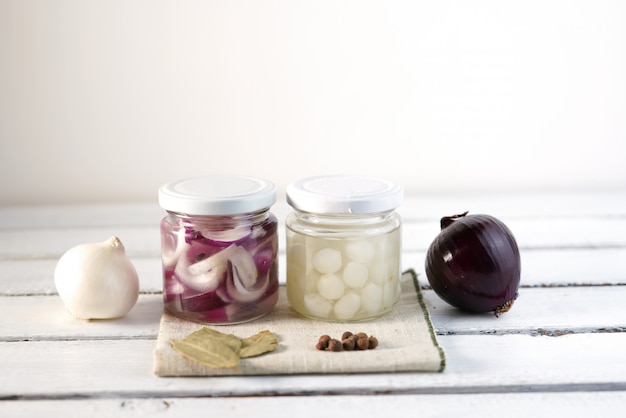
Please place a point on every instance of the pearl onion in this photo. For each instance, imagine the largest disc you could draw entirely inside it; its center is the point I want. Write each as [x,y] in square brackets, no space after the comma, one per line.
[378,272]
[390,292]
[372,298]
[297,255]
[355,275]
[330,286]
[360,251]
[327,260]
[294,273]
[317,305]
[347,306]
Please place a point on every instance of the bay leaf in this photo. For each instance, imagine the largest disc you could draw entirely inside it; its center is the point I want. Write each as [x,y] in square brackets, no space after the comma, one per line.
[232,341]
[211,348]
[261,343]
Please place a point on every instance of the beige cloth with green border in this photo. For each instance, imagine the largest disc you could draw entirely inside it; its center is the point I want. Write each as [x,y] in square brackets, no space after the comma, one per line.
[407,342]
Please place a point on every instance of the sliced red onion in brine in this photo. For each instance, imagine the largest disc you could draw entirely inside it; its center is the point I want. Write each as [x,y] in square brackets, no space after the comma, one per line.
[226,237]
[201,280]
[173,246]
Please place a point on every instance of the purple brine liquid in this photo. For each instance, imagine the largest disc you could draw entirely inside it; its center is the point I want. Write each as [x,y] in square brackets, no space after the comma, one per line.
[220,269]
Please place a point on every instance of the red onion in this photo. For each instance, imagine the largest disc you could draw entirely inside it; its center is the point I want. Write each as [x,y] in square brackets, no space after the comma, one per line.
[474,264]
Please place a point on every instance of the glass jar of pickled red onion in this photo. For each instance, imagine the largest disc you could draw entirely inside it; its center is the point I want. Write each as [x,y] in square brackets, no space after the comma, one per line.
[219,246]
[343,247]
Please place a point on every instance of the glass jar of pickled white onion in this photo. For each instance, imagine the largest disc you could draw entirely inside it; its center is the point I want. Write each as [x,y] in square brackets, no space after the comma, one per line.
[219,246]
[343,247]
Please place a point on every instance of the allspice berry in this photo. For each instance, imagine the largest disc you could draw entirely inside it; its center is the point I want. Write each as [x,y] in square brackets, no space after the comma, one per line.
[373,342]
[334,345]
[362,343]
[348,343]
[322,344]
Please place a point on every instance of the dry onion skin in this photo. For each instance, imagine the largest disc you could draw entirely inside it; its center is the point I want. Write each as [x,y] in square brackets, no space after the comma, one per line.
[97,280]
[474,264]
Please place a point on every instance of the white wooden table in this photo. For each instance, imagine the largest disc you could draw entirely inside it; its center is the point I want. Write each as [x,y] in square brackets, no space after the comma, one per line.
[560,351]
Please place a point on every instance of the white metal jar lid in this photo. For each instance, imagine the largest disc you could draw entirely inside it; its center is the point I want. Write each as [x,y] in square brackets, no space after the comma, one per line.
[344,194]
[217,195]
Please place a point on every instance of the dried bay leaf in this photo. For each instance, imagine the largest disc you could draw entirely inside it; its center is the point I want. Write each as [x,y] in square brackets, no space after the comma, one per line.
[210,348]
[216,349]
[261,343]
[229,340]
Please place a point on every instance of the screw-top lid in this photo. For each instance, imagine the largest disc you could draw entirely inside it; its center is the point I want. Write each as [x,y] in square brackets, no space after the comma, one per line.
[217,195]
[344,194]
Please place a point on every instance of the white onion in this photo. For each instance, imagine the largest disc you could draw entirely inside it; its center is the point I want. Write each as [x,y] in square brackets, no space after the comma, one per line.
[97,280]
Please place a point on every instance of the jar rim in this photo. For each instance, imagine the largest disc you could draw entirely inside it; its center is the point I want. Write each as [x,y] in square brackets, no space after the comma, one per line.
[217,195]
[344,194]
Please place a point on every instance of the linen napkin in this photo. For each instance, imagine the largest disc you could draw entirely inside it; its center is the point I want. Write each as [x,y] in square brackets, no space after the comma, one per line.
[407,342]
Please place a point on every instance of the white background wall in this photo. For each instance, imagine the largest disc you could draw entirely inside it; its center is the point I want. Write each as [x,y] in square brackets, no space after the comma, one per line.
[106,100]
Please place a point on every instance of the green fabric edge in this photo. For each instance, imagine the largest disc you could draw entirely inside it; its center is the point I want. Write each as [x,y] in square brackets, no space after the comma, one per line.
[431,329]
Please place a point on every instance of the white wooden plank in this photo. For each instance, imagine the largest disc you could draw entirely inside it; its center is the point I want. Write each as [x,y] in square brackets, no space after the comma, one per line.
[539,268]
[537,311]
[575,266]
[551,311]
[571,405]
[536,233]
[36,277]
[44,243]
[475,364]
[44,317]
[144,241]
[40,232]
[429,207]
[555,267]
[87,215]
[517,205]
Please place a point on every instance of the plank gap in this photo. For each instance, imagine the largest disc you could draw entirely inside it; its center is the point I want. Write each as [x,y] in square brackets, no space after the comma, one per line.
[456,390]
